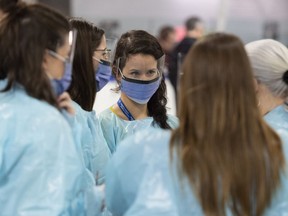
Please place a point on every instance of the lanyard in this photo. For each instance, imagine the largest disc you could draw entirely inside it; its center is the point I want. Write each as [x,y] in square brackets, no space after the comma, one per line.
[125,110]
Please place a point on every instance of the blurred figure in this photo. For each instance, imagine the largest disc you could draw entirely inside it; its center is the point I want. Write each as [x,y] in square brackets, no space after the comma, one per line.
[41,171]
[89,64]
[167,40]
[223,159]
[138,68]
[194,30]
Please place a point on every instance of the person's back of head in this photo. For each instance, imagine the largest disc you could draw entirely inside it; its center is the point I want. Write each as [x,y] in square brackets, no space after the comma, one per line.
[25,36]
[194,27]
[7,5]
[269,60]
[88,39]
[167,38]
[224,140]
[141,42]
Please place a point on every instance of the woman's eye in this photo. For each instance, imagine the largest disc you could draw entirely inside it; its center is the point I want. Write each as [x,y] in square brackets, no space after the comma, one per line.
[152,72]
[135,73]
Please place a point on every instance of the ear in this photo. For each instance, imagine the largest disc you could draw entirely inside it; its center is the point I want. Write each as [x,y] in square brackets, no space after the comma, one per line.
[45,61]
[117,74]
[256,85]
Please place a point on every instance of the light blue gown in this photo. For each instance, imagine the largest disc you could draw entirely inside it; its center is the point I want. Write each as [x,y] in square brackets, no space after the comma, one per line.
[116,129]
[142,180]
[41,172]
[88,133]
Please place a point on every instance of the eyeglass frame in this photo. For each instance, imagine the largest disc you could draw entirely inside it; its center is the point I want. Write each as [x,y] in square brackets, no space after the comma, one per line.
[106,52]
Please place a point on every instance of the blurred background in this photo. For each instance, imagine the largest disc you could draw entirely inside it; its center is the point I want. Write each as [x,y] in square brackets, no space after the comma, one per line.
[249,19]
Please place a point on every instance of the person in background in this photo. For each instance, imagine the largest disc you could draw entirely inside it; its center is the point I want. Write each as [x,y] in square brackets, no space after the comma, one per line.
[41,171]
[223,159]
[269,59]
[90,62]
[194,31]
[167,40]
[137,66]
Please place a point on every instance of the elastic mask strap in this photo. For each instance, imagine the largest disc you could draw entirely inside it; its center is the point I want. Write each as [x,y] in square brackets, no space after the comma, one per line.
[99,60]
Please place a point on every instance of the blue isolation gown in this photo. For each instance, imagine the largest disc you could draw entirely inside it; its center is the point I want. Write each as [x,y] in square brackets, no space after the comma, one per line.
[41,171]
[94,147]
[116,129]
[142,180]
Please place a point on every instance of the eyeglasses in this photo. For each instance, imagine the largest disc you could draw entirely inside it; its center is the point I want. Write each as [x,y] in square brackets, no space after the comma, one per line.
[106,53]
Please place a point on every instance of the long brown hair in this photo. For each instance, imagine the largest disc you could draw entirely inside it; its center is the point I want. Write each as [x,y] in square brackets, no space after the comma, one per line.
[25,35]
[230,156]
[83,87]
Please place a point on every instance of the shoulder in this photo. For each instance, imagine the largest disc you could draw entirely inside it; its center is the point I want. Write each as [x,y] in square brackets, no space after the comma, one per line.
[173,121]
[277,118]
[105,115]
[148,140]
[25,110]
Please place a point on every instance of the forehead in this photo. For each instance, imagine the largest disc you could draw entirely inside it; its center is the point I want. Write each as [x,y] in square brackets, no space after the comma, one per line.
[140,61]
[102,44]
[65,48]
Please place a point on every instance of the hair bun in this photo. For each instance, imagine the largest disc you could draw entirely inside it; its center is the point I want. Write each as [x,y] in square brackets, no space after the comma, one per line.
[285,77]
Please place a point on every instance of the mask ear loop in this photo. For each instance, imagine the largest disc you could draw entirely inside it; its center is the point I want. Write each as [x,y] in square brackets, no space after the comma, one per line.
[117,70]
[99,60]
[161,67]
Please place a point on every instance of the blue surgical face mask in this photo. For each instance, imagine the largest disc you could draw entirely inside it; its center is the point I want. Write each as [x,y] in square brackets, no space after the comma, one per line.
[103,73]
[140,91]
[61,85]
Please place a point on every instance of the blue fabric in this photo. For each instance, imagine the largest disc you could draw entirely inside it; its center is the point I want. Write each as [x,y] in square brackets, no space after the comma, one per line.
[278,120]
[124,109]
[116,129]
[141,180]
[89,136]
[139,91]
[103,74]
[61,85]
[41,172]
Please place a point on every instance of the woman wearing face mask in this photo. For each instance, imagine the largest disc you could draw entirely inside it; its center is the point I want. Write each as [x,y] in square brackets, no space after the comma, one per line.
[90,71]
[223,159]
[137,66]
[41,171]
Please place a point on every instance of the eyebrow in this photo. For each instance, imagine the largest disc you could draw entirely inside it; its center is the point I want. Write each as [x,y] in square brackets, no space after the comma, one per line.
[105,49]
[134,69]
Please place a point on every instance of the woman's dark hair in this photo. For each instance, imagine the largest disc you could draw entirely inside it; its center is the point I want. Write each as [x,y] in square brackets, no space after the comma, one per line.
[8,5]
[230,156]
[25,35]
[83,87]
[141,42]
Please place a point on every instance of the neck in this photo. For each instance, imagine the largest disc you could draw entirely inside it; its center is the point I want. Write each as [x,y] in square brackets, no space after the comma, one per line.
[268,102]
[138,111]
[192,34]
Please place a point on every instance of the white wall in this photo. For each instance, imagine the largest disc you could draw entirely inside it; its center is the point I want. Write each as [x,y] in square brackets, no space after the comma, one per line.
[244,17]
